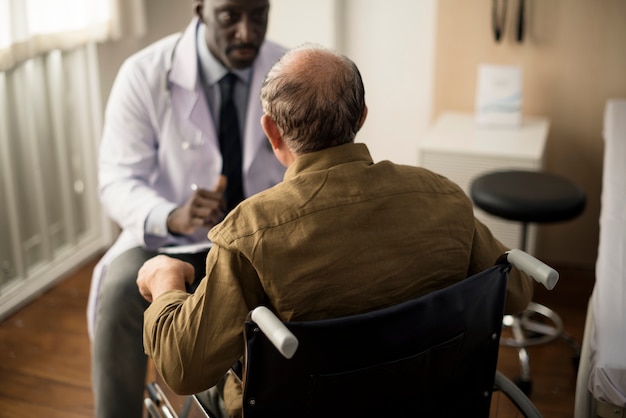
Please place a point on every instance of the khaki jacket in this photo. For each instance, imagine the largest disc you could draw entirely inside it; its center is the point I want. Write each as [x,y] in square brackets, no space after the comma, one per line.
[339,236]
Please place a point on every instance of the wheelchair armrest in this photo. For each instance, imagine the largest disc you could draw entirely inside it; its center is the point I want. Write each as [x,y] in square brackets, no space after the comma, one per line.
[275,330]
[536,269]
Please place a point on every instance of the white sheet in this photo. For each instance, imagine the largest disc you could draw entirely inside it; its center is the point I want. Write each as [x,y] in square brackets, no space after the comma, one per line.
[607,339]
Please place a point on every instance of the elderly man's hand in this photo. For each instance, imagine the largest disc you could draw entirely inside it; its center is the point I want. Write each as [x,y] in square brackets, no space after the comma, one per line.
[162,274]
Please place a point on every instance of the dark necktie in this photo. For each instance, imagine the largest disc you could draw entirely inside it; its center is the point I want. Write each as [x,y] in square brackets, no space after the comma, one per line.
[230,143]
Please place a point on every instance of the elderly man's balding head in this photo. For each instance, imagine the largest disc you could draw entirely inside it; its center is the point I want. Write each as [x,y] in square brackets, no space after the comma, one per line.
[315,97]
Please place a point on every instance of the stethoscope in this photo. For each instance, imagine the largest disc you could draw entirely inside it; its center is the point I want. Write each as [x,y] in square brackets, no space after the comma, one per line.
[198,139]
[499,17]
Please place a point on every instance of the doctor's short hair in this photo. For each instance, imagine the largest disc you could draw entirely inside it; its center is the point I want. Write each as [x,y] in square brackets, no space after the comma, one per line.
[316,98]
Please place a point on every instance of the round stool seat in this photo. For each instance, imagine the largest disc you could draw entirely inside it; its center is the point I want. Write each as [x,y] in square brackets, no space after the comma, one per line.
[528,196]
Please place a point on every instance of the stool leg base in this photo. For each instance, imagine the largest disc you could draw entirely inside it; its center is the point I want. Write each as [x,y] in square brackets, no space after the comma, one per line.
[538,324]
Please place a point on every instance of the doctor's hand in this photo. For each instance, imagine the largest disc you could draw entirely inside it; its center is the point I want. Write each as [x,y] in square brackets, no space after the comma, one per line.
[203,208]
[161,274]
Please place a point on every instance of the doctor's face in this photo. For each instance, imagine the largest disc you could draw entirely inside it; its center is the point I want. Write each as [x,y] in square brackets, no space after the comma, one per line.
[235,29]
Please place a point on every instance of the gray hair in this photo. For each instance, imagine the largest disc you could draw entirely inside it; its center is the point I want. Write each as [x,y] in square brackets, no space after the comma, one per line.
[316,103]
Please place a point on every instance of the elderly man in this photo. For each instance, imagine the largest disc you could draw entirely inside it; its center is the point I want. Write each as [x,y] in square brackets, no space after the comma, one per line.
[340,235]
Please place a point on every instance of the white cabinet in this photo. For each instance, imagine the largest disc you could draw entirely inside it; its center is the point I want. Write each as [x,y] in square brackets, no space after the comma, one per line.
[456,147]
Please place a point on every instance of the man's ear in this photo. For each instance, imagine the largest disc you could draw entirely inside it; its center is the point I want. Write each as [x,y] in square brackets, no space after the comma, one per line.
[198,8]
[271,131]
[363,117]
[281,151]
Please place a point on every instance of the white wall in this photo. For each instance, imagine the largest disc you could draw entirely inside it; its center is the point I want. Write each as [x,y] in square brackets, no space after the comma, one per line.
[393,45]
[293,22]
[392,42]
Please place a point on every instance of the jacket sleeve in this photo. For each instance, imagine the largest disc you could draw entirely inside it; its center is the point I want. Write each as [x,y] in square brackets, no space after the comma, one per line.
[195,339]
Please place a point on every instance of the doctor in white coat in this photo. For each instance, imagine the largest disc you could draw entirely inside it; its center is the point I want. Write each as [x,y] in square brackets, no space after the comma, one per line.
[159,172]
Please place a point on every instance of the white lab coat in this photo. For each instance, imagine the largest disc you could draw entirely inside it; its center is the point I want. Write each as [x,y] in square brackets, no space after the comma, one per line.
[159,139]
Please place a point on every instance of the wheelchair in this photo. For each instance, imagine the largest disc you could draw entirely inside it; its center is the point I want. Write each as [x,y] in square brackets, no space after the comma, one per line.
[434,356]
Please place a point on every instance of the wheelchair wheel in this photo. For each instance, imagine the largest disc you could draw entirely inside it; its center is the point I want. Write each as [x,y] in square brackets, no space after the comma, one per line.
[508,400]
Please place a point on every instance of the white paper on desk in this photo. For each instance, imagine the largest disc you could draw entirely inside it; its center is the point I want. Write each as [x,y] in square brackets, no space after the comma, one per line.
[499,95]
[187,249]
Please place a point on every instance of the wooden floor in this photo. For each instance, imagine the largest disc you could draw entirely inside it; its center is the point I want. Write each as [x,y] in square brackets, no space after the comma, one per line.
[45,360]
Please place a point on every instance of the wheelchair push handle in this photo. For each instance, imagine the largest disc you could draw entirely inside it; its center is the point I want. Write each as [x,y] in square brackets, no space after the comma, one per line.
[536,269]
[275,331]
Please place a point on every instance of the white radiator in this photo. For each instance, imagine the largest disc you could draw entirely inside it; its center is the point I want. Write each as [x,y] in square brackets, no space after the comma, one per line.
[50,217]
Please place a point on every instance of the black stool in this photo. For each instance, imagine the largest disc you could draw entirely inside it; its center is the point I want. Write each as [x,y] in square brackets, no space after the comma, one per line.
[530,197]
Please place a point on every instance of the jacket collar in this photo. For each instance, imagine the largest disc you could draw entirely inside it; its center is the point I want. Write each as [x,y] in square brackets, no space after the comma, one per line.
[328,158]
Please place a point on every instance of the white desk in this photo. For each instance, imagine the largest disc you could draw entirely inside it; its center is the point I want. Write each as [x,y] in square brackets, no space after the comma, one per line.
[460,150]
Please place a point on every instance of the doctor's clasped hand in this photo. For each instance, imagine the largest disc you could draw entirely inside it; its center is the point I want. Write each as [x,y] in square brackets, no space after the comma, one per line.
[204,208]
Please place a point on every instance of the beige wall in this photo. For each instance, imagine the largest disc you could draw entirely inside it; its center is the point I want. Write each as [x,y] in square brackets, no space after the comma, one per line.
[573,60]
